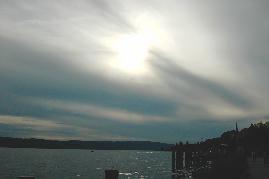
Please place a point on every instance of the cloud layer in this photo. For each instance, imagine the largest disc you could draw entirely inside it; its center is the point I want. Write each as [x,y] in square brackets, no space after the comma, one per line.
[206,68]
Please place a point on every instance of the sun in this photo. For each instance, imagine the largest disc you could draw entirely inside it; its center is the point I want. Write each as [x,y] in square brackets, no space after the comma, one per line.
[132,51]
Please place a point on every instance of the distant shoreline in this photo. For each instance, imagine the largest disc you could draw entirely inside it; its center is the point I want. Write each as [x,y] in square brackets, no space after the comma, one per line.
[10,142]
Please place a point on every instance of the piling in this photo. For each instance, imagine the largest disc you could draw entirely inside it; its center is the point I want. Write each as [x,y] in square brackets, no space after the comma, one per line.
[111,174]
[179,160]
[173,161]
[184,160]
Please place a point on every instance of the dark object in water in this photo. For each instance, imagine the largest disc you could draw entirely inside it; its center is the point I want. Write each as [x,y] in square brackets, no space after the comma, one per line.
[111,174]
[26,177]
[92,150]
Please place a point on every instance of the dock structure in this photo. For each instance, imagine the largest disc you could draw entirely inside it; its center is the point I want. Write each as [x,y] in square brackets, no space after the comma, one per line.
[178,160]
[186,159]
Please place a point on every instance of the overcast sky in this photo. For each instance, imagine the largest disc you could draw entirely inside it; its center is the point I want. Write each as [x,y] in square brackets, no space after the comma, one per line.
[132,69]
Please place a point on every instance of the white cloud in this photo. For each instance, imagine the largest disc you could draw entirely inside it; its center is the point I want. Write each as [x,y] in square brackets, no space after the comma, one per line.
[53,129]
[31,122]
[91,110]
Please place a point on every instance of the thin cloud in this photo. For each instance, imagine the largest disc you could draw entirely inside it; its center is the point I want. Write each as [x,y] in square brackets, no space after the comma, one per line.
[30,122]
[91,110]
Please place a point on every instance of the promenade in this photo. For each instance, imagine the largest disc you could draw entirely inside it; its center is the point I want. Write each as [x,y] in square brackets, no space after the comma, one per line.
[257,169]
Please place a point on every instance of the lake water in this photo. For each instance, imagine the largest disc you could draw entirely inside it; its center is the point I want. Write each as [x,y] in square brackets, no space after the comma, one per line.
[78,164]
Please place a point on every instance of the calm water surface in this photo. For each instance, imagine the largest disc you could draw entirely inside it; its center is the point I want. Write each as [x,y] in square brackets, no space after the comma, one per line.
[69,163]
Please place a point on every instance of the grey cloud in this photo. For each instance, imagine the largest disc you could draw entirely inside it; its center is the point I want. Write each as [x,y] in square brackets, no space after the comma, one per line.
[29,72]
[171,72]
[241,28]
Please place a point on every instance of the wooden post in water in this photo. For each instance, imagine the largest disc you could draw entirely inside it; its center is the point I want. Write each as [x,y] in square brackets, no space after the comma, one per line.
[178,160]
[173,161]
[188,159]
[184,160]
[111,174]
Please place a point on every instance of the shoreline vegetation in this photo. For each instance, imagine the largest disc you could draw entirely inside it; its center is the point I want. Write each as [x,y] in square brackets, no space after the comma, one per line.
[10,142]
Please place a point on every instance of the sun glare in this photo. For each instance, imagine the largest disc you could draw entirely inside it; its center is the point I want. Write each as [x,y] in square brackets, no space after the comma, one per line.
[132,51]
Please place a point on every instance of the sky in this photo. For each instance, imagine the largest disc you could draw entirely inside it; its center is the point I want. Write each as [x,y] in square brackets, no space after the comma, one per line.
[156,70]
